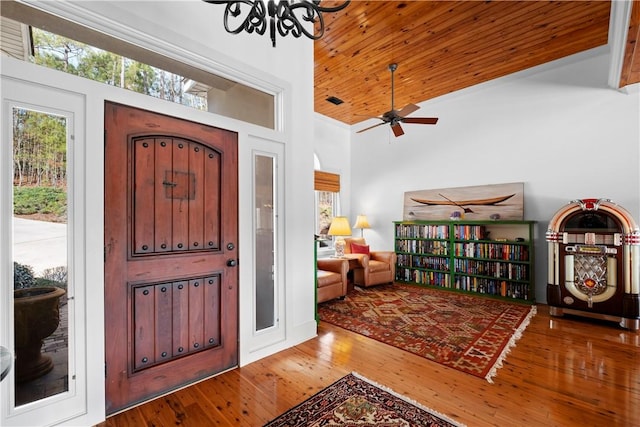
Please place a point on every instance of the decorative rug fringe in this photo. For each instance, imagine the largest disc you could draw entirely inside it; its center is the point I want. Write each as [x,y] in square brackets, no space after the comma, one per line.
[410,401]
[512,343]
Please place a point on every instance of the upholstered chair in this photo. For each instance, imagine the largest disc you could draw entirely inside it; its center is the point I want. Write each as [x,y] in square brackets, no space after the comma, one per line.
[376,267]
[331,279]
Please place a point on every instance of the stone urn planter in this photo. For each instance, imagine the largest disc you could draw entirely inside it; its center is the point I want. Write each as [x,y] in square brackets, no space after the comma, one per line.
[37,315]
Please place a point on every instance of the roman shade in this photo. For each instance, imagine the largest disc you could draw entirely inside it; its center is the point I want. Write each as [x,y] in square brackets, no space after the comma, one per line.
[327,181]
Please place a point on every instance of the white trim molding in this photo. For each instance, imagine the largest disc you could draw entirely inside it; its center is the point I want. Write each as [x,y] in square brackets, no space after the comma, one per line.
[618,32]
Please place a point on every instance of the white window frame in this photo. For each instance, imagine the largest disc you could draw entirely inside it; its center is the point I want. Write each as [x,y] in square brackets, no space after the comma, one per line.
[72,403]
[327,250]
[257,342]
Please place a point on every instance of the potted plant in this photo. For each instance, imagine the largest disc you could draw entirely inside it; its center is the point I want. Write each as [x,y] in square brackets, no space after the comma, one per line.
[36,316]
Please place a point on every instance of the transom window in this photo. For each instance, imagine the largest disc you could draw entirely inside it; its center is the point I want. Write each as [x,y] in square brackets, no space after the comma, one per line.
[138,70]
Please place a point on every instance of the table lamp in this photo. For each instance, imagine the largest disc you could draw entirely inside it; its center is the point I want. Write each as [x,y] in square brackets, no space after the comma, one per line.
[339,227]
[361,223]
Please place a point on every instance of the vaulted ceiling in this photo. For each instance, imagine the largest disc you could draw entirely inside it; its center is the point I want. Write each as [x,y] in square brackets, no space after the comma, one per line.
[439,46]
[444,46]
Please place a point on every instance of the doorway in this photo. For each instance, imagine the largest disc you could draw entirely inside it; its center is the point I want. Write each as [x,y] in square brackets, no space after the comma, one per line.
[171,230]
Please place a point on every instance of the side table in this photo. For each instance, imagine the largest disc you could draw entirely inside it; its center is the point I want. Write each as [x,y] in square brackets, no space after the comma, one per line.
[354,262]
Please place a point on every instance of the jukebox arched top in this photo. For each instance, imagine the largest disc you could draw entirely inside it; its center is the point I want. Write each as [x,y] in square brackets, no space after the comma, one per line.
[591,215]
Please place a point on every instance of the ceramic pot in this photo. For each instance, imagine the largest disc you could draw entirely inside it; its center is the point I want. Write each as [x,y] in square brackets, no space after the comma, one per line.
[37,315]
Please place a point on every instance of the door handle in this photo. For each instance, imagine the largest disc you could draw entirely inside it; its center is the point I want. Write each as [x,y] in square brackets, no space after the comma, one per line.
[232,262]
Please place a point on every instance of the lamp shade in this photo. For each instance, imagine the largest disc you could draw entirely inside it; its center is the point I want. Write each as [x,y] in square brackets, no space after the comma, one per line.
[339,226]
[361,222]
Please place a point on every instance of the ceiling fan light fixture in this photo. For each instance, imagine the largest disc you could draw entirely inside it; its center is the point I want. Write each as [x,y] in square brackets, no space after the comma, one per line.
[285,16]
[395,117]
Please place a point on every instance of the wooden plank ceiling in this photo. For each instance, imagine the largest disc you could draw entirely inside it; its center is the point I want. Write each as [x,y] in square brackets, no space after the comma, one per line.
[443,46]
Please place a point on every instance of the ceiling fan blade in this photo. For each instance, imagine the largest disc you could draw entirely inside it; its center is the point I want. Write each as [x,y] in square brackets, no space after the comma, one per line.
[397,130]
[408,109]
[370,127]
[421,120]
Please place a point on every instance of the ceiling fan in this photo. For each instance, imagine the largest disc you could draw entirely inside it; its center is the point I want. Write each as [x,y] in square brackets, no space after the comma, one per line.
[395,117]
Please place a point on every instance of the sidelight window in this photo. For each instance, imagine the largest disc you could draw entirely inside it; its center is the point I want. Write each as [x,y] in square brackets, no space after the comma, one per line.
[42,252]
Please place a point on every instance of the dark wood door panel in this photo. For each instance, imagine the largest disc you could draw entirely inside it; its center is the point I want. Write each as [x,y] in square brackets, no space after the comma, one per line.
[162,215]
[180,318]
[170,227]
[194,311]
[176,196]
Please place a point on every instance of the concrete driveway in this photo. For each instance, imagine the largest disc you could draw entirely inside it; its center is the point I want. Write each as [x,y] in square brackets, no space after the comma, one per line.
[39,244]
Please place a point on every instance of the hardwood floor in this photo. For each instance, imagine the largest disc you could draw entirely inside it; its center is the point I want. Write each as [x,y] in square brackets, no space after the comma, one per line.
[566,371]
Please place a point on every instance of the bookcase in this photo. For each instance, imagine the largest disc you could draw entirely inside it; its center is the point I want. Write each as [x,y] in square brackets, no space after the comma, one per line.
[487,257]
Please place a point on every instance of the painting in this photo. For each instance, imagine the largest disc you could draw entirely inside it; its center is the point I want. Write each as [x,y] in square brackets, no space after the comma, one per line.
[481,203]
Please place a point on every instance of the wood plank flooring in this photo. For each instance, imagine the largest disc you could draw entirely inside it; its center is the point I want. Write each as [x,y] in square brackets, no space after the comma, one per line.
[567,371]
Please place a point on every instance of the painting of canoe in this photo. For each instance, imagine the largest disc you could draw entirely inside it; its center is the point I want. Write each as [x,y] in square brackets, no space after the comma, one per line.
[489,201]
[480,202]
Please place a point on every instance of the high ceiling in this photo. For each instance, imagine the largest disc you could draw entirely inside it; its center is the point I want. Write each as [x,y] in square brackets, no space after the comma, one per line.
[439,46]
[443,46]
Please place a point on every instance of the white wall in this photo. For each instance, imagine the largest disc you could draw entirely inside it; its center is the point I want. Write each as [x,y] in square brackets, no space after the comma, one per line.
[558,129]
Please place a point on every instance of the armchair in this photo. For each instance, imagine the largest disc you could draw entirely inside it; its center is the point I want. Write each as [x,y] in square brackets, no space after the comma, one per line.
[331,278]
[376,267]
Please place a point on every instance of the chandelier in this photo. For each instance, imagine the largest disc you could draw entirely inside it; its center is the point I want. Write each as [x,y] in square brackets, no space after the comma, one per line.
[284,15]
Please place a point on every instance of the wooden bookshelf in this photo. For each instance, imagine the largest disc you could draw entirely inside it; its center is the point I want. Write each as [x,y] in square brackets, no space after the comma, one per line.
[487,257]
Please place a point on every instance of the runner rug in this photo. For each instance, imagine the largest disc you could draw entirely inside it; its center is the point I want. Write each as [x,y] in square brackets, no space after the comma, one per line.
[472,334]
[356,401]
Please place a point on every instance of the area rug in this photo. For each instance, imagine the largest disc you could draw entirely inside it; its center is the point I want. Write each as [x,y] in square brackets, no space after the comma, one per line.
[356,401]
[472,334]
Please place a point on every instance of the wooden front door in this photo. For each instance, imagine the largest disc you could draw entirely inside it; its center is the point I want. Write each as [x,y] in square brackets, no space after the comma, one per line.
[171,285]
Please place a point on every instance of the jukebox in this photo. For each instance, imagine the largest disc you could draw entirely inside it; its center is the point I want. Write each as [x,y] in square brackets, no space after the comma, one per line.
[594,262]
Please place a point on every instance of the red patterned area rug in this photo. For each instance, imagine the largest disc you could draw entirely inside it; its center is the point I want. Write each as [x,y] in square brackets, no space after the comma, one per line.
[472,334]
[356,401]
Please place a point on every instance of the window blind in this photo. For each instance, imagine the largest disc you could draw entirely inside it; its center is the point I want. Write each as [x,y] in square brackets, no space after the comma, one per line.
[327,181]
